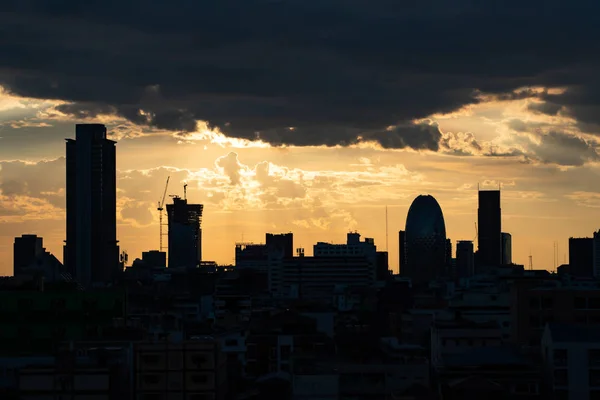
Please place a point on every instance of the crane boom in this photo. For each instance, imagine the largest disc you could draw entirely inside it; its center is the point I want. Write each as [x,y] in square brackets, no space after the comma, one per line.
[160,214]
[162,203]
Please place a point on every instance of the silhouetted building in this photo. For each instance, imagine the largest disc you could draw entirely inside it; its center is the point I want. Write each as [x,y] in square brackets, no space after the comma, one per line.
[401,251]
[581,257]
[426,246]
[353,247]
[596,254]
[489,217]
[465,260]
[185,233]
[282,243]
[154,259]
[91,253]
[27,249]
[382,272]
[506,248]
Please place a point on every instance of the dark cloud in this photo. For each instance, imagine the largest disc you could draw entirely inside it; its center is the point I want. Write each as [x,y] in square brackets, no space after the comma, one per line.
[552,147]
[334,70]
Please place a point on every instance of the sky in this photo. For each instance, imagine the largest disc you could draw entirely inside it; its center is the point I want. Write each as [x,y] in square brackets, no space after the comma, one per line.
[307,116]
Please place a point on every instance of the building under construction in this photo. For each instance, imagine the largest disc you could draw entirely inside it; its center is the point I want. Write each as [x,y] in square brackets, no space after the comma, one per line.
[185,233]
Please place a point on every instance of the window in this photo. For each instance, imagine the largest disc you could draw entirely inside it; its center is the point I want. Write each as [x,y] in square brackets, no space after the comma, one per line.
[285,352]
[200,378]
[547,303]
[151,379]
[150,359]
[198,360]
[594,375]
[561,377]
[534,302]
[59,304]
[580,303]
[560,357]
[25,304]
[594,358]
[594,303]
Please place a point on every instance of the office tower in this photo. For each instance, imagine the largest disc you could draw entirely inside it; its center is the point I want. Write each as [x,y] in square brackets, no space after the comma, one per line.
[465,260]
[26,250]
[401,252]
[185,233]
[581,257]
[425,245]
[91,253]
[596,254]
[506,248]
[489,216]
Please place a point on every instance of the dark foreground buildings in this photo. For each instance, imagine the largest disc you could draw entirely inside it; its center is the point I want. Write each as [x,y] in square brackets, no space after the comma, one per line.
[91,253]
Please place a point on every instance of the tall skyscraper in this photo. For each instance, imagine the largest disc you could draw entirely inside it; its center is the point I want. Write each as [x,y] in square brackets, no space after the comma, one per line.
[425,241]
[489,217]
[506,248]
[27,249]
[185,233]
[581,257]
[91,253]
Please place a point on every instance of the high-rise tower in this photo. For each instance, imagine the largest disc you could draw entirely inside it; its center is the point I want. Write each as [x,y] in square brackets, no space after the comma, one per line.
[489,217]
[425,241]
[91,252]
[185,233]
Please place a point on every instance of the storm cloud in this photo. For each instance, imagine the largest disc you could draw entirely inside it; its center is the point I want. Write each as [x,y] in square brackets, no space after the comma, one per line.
[302,72]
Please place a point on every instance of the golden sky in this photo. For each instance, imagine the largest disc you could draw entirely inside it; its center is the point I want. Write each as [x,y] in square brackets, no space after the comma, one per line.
[548,170]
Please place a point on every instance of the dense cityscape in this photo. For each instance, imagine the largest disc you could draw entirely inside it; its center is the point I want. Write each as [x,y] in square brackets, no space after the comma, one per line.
[457,321]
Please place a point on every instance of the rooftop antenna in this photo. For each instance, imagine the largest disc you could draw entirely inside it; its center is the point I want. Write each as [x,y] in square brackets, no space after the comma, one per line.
[386,228]
[185,191]
[530,260]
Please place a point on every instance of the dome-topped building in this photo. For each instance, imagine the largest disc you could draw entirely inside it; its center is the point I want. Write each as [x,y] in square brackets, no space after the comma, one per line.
[424,240]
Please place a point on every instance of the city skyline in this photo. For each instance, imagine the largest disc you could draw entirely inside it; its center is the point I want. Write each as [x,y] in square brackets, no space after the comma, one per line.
[366,106]
[370,227]
[332,237]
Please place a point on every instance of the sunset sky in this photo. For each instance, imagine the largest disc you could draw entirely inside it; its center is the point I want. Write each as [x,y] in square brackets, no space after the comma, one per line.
[307,116]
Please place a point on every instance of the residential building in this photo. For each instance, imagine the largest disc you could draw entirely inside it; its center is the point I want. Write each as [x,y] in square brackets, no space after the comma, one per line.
[188,369]
[571,355]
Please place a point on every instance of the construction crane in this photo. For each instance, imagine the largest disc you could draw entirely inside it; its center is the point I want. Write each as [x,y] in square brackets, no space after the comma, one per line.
[160,209]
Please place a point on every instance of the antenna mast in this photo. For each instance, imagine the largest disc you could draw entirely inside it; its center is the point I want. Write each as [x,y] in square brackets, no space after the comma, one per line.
[160,209]
[530,260]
